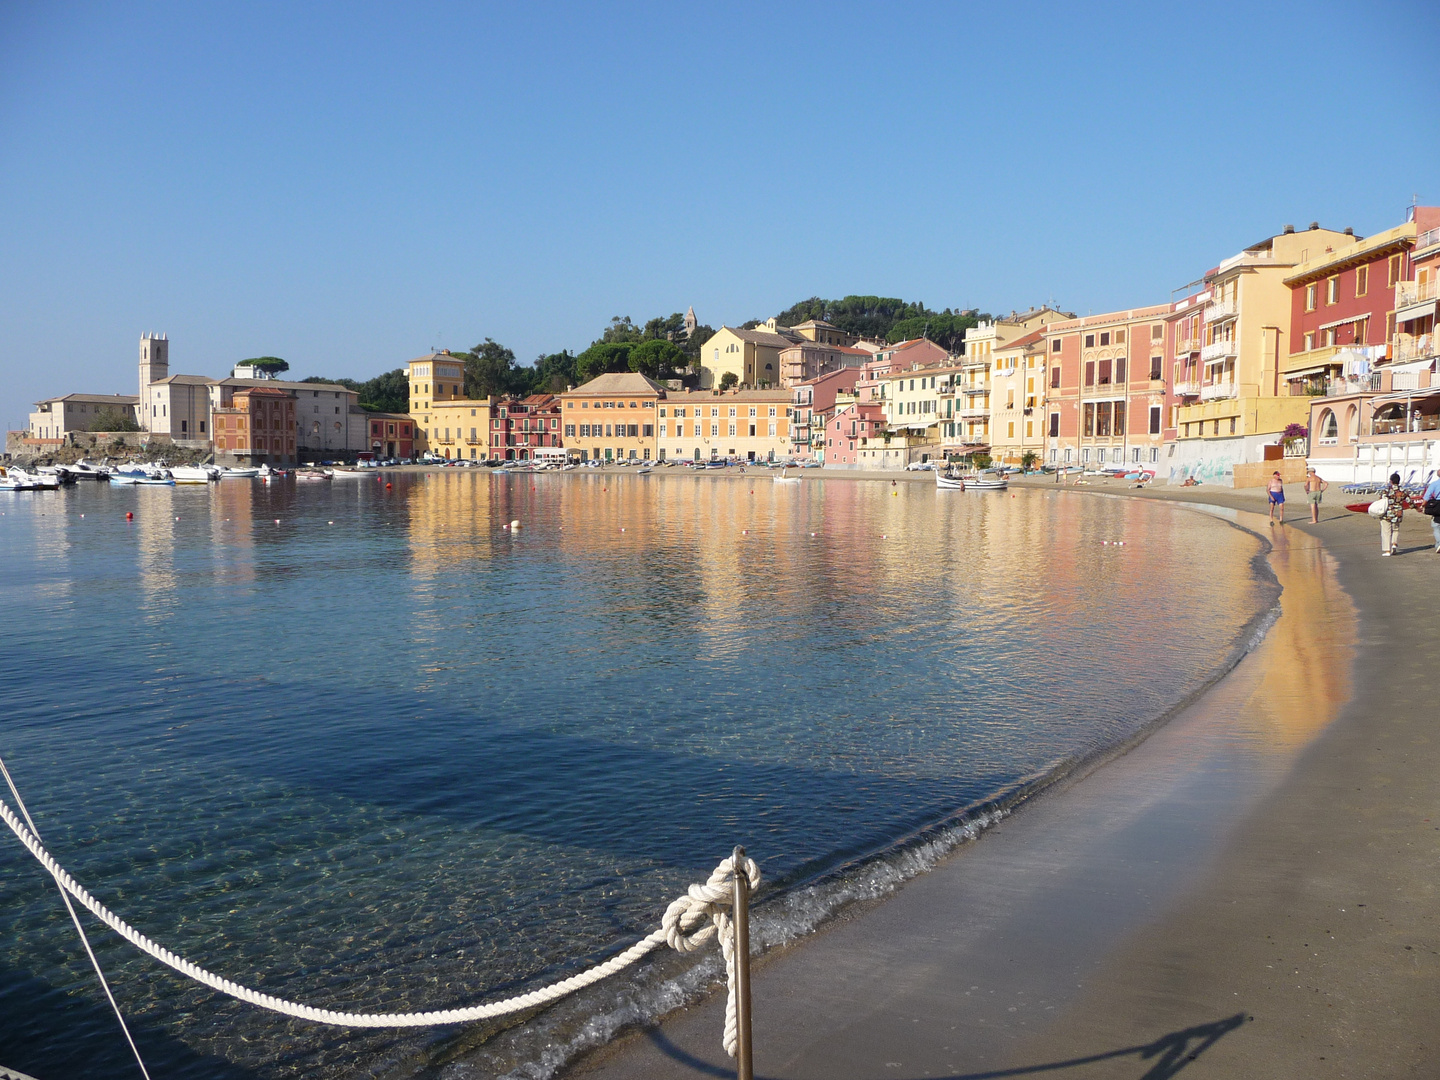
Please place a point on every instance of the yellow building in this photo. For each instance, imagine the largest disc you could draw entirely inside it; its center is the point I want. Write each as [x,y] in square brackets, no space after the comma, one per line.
[744,425]
[1017,399]
[447,423]
[1242,401]
[612,418]
[752,356]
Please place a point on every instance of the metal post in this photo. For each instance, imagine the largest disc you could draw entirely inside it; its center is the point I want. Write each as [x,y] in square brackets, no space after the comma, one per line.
[744,1063]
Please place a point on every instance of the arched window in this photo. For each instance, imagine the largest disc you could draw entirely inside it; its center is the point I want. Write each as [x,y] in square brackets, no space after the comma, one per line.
[1329,429]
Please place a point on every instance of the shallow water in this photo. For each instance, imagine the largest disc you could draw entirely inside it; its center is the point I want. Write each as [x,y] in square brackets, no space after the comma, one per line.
[363,747]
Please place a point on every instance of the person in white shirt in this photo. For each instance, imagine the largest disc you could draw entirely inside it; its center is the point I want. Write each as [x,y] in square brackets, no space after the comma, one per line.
[1432,491]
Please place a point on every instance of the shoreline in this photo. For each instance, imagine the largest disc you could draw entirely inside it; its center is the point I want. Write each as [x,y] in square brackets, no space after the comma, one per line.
[1112,1005]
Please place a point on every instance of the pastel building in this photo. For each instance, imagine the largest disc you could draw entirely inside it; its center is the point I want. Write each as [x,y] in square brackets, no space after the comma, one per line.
[521,428]
[256,427]
[611,418]
[855,430]
[55,418]
[736,425]
[812,404]
[1106,397]
[392,435]
[1243,402]
[1017,399]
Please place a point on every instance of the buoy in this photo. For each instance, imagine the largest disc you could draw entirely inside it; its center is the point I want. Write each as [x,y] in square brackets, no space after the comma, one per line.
[622,528]
[745,532]
[389,486]
[884,537]
[177,518]
[330,523]
[812,534]
[129,516]
[277,521]
[1104,543]
[515,524]
[82,515]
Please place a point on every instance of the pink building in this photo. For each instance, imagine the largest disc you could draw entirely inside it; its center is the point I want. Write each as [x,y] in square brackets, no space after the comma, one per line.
[851,429]
[815,405]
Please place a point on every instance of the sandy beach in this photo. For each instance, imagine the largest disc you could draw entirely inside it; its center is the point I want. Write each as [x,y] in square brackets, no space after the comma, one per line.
[1250,892]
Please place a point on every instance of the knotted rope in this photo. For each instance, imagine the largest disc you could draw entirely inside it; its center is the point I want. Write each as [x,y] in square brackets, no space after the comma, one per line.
[688,923]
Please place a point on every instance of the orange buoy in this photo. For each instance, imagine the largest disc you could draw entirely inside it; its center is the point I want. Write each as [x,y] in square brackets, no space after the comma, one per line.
[129,516]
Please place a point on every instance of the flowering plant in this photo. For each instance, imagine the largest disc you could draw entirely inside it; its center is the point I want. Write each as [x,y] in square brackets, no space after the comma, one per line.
[1296,431]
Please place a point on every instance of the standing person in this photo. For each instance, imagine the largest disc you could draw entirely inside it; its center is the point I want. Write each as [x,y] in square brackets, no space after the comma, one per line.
[1277,497]
[1314,490]
[1394,497]
[1432,491]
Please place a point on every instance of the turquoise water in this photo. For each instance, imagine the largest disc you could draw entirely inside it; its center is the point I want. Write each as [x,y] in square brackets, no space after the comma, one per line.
[362,746]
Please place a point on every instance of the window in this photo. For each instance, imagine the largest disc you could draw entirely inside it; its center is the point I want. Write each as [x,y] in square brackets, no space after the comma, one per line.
[1310,297]
[1089,372]
[1156,365]
[1332,290]
[1119,425]
[647,430]
[1054,425]
[1089,341]
[1232,425]
[1055,345]
[1394,271]
[1362,327]
[1309,341]
[1104,372]
[1362,280]
[1102,418]
[1088,428]
[1157,332]
[714,430]
[1389,326]
[732,429]
[1154,419]
[1055,375]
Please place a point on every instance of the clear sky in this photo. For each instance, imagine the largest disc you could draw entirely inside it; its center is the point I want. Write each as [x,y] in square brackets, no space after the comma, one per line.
[349,185]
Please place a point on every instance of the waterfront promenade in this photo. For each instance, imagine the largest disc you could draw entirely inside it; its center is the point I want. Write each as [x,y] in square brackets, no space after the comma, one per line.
[1249,892]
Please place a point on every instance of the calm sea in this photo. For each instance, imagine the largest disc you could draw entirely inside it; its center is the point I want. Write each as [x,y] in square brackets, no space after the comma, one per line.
[359,745]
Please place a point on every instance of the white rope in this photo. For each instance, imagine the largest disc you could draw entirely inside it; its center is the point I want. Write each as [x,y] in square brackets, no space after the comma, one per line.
[688,923]
[84,938]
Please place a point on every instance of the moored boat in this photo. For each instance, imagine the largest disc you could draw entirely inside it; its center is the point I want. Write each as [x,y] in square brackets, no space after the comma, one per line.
[239,474]
[194,474]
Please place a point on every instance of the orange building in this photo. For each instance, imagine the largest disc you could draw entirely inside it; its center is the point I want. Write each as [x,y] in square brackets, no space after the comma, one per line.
[257,428]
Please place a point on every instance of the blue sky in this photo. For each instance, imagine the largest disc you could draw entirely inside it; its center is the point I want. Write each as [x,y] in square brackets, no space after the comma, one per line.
[348,185]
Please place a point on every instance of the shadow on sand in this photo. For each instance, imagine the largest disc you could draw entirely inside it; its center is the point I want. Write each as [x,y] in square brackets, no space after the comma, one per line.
[1161,1059]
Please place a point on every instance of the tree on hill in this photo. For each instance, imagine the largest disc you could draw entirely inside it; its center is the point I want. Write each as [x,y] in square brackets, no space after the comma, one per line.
[885,317]
[603,357]
[490,368]
[111,419]
[553,373]
[267,366]
[349,384]
[388,392]
[728,380]
[657,358]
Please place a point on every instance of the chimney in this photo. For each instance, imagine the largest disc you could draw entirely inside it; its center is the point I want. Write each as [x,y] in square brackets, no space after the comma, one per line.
[1289,229]
[1314,225]
[1349,231]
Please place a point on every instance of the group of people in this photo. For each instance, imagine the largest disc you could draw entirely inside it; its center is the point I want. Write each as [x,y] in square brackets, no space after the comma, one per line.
[1394,509]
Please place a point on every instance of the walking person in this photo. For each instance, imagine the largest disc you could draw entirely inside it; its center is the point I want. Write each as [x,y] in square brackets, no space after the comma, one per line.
[1394,496]
[1431,505]
[1277,497]
[1314,491]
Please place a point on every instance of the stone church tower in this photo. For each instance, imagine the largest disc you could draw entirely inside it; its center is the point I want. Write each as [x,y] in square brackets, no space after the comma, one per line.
[154,366]
[690,321]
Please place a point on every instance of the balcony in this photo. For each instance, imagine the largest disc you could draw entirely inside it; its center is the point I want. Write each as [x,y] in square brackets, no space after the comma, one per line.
[1368,384]
[972,414]
[1186,346]
[1218,391]
[1217,310]
[1189,388]
[1415,292]
[1217,350]
[1427,239]
[1414,347]
[1399,427]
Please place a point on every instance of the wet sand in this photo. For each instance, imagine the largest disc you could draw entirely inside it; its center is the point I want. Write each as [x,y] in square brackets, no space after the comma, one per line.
[1250,892]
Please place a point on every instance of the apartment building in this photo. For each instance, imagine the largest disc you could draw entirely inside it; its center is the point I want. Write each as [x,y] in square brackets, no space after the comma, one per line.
[54,418]
[1017,399]
[1243,401]
[612,418]
[1107,396]
[256,426]
[734,425]
[854,437]
[520,426]
[813,403]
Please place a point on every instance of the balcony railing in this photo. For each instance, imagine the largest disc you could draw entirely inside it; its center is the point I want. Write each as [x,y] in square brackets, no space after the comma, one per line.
[1414,347]
[1405,380]
[1219,309]
[1217,349]
[1186,346]
[1398,425]
[1187,389]
[1369,384]
[1217,391]
[972,413]
[1415,292]
[1427,239]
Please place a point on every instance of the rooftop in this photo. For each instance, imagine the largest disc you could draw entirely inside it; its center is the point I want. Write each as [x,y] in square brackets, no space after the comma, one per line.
[620,382]
[95,399]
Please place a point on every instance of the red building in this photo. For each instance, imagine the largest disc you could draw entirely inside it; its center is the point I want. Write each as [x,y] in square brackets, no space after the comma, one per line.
[520,426]
[392,435]
[257,429]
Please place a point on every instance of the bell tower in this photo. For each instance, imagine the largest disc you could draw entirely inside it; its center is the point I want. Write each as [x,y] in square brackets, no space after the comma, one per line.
[154,366]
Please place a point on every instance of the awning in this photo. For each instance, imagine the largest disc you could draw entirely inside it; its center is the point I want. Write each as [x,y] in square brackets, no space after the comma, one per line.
[1343,322]
[914,425]
[1410,312]
[1405,395]
[1318,369]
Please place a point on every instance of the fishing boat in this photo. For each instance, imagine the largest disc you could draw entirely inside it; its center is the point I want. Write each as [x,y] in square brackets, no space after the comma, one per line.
[239,474]
[948,481]
[783,479]
[140,479]
[314,474]
[987,483]
[347,474]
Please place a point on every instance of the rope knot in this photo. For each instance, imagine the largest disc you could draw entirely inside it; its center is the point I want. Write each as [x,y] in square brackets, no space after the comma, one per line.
[704,912]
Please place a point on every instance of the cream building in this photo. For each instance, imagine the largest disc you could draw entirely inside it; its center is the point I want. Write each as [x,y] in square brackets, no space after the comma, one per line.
[447,423]
[1017,399]
[1242,401]
[57,417]
[740,425]
[752,356]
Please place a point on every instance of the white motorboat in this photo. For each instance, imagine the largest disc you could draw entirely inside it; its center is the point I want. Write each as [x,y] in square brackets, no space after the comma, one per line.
[35,480]
[15,480]
[193,474]
[314,474]
[239,474]
[987,484]
[347,474]
[947,482]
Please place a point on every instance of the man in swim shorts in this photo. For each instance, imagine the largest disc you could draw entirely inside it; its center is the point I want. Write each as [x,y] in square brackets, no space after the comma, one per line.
[1277,497]
[1314,489]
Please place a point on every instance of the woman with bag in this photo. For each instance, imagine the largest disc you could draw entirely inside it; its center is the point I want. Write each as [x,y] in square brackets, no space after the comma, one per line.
[1394,497]
[1431,506]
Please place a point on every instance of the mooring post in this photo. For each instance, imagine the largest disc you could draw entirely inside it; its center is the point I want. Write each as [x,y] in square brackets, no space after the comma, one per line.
[744,1061]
